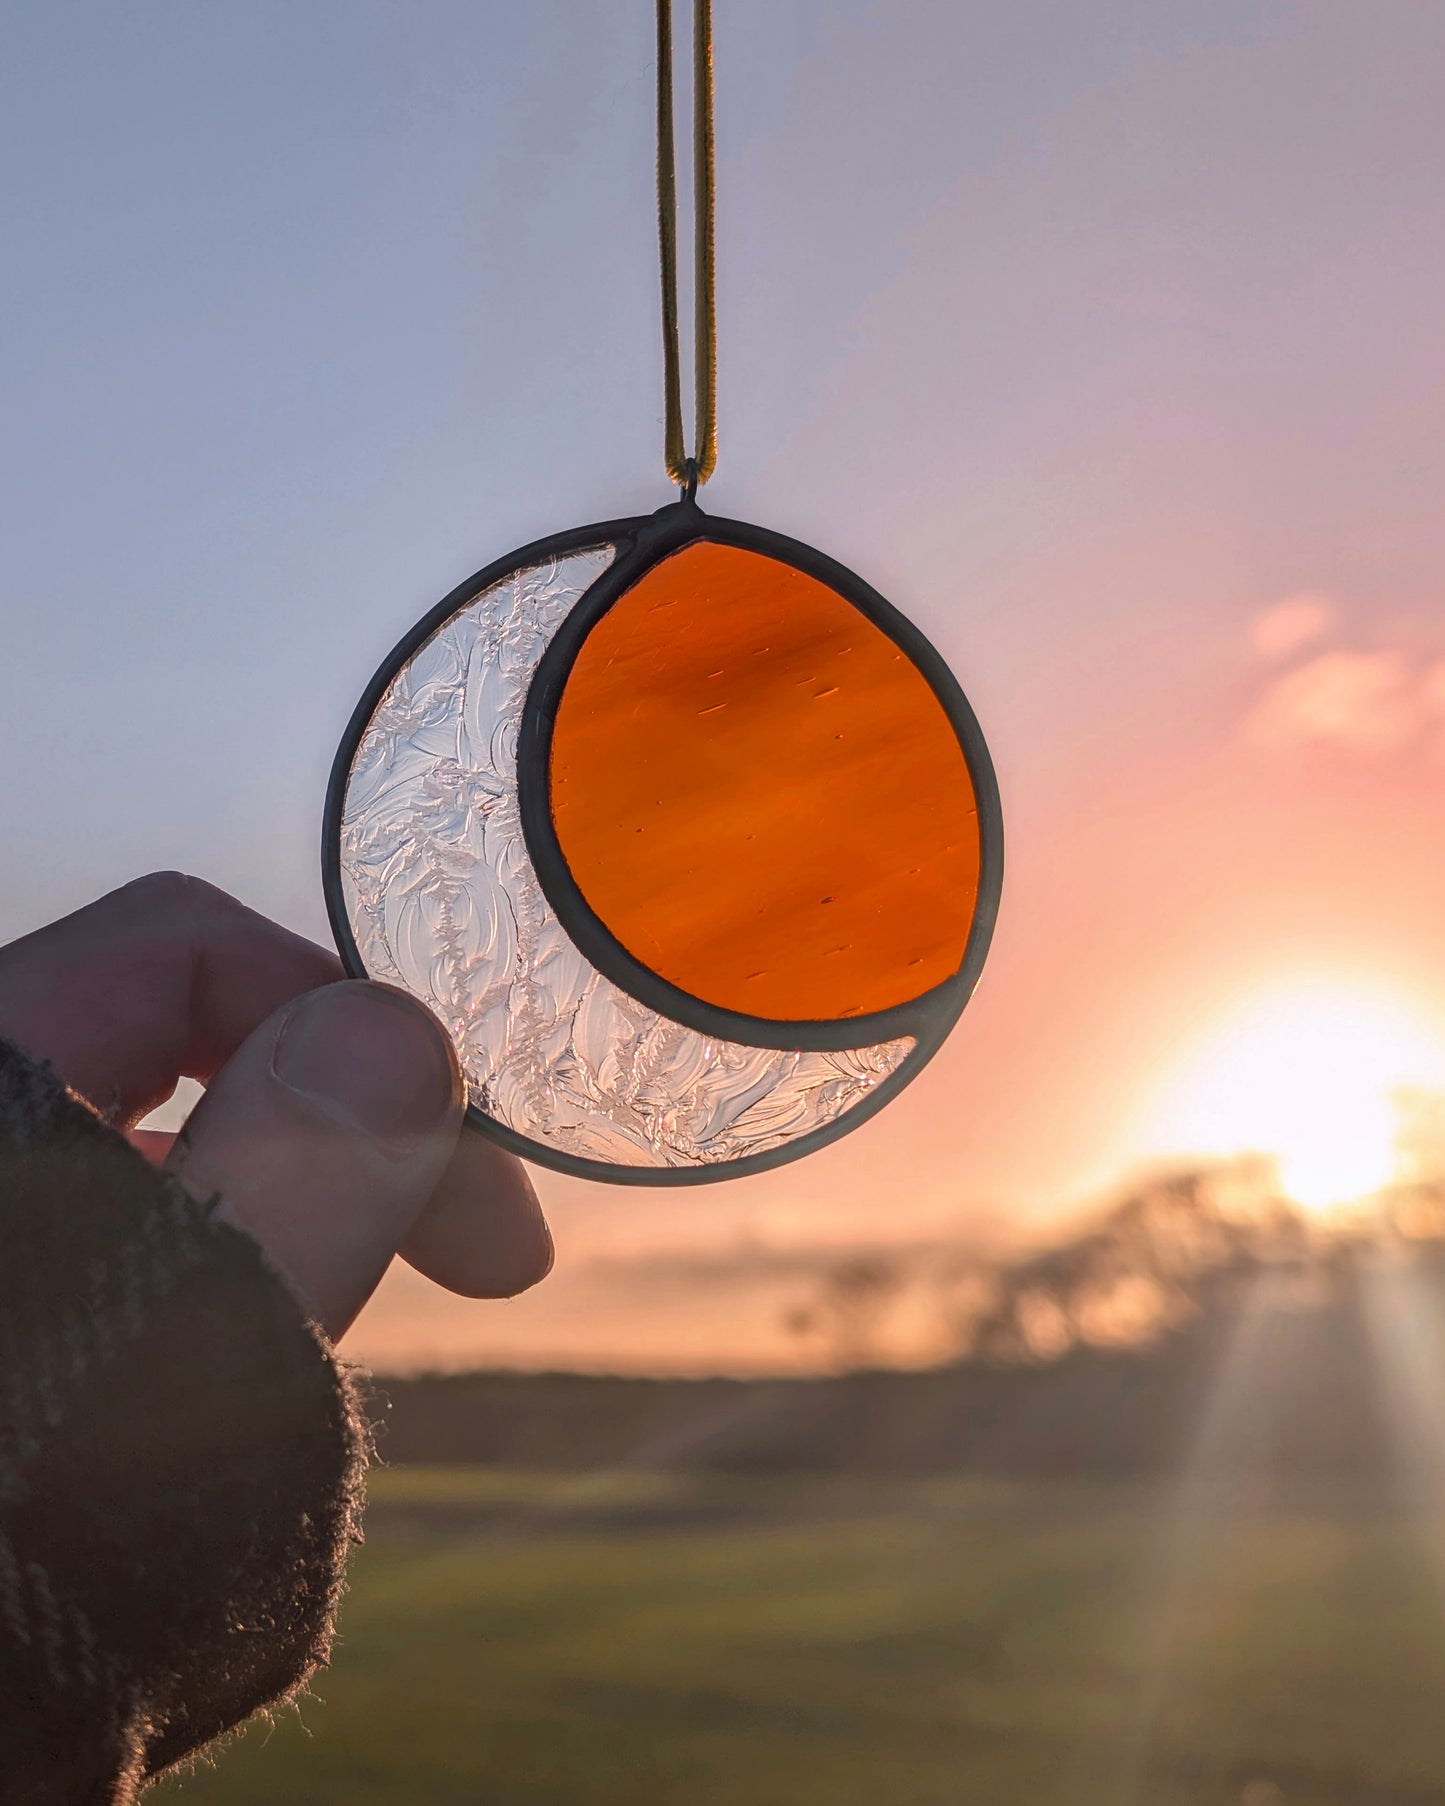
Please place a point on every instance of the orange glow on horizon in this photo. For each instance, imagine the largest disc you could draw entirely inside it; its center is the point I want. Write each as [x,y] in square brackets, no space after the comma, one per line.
[1311,1074]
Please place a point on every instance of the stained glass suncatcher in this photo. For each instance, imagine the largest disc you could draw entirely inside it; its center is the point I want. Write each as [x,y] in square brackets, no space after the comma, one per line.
[690,839]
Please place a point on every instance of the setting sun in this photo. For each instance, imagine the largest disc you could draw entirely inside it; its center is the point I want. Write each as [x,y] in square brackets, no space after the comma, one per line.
[1308,1075]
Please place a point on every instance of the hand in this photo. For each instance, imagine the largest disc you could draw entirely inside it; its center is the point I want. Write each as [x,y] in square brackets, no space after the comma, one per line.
[330,1128]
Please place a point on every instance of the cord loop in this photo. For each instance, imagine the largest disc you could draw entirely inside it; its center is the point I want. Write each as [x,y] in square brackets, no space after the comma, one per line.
[687,471]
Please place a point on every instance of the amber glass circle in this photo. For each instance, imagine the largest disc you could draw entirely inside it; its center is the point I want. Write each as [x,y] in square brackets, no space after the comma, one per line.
[760,796]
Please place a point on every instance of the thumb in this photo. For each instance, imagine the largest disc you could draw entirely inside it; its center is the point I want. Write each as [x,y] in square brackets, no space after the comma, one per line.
[324,1135]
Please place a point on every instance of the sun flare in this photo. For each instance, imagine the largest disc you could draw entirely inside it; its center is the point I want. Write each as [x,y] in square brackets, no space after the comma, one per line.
[1310,1076]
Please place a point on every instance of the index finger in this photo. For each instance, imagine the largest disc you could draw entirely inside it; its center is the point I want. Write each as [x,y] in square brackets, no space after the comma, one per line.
[160,980]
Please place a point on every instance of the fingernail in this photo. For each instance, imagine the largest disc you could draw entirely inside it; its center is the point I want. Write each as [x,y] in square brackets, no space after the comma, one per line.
[370,1058]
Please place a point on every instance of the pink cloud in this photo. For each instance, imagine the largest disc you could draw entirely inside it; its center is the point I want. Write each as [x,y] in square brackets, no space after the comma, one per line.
[1291,624]
[1366,702]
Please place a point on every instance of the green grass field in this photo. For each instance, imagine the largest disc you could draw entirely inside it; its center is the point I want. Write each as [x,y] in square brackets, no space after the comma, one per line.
[517,1639]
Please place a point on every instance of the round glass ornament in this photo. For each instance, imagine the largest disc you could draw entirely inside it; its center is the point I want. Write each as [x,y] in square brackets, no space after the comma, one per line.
[689,838]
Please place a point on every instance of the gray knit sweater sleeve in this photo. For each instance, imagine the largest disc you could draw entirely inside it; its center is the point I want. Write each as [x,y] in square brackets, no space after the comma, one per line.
[180,1463]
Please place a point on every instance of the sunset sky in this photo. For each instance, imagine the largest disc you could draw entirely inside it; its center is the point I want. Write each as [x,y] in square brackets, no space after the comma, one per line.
[1105,340]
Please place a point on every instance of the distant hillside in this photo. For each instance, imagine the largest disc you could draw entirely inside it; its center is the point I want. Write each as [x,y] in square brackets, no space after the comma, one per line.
[1171,1335]
[1271,1389]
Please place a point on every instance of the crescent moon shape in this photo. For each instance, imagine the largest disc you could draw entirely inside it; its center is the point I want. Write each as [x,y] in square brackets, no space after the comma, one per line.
[434,890]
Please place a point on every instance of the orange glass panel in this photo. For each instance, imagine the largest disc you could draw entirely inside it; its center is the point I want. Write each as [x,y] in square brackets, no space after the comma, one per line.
[760,795]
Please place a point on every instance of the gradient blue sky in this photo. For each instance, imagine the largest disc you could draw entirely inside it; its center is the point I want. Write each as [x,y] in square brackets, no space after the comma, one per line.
[1088,333]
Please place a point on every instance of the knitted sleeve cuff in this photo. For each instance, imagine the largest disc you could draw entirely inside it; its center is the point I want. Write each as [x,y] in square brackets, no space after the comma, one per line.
[180,1462]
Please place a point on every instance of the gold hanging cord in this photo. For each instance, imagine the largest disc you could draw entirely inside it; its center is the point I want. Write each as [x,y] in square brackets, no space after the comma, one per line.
[684,470]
